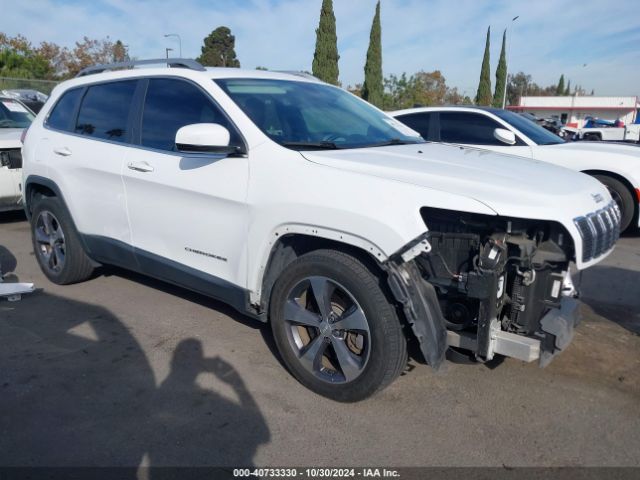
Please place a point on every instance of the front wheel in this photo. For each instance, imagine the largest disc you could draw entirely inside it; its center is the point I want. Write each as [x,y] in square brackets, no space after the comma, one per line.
[623,198]
[335,328]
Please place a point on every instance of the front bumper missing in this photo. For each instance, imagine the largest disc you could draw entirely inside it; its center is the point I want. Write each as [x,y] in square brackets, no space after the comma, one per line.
[557,325]
[419,300]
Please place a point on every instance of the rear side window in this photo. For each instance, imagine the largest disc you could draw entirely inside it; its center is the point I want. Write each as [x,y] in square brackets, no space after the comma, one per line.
[171,104]
[60,117]
[468,128]
[418,122]
[104,112]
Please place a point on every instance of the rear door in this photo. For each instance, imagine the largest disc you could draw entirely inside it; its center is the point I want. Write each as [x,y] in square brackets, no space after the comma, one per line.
[425,123]
[89,130]
[188,212]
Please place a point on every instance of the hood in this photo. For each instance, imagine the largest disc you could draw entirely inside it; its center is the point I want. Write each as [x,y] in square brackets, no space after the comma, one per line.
[10,137]
[509,185]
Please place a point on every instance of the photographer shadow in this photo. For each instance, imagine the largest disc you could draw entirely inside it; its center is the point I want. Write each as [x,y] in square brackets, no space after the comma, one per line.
[203,426]
[80,391]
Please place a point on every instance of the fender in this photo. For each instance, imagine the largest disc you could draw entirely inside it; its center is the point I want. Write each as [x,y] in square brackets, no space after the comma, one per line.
[314,231]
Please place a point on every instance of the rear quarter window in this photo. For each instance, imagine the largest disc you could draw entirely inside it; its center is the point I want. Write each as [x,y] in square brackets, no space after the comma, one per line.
[61,116]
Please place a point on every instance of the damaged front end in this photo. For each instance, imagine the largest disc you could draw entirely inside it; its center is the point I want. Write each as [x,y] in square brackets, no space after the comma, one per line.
[488,285]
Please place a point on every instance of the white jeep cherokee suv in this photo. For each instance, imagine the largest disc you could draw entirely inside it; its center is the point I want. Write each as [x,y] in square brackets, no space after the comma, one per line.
[299,204]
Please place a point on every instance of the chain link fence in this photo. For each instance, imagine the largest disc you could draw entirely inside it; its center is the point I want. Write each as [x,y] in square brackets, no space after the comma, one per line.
[44,86]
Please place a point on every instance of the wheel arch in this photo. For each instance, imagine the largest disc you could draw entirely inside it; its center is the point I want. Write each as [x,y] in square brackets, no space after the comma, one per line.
[290,246]
[622,179]
[35,184]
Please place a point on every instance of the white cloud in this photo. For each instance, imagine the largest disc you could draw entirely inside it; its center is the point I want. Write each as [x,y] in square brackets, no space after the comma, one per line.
[550,37]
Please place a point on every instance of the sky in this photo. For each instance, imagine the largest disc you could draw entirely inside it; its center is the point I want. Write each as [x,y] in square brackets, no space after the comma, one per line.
[594,43]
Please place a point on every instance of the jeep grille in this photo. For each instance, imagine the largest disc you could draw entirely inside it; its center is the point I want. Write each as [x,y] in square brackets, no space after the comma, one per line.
[599,231]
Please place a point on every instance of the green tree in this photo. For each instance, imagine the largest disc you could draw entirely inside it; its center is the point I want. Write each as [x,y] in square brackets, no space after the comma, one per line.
[484,97]
[219,49]
[560,87]
[325,57]
[567,90]
[373,89]
[501,74]
[120,52]
[19,59]
[422,88]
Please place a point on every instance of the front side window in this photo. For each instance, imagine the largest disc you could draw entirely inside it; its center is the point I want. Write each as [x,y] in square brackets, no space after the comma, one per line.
[14,114]
[104,112]
[468,128]
[60,117]
[309,115]
[171,104]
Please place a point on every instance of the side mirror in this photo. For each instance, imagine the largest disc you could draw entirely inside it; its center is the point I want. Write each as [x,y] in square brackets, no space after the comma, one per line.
[204,138]
[505,136]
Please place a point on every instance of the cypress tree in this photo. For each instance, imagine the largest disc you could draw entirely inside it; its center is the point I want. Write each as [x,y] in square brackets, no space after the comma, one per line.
[372,89]
[568,89]
[483,97]
[560,87]
[501,74]
[325,57]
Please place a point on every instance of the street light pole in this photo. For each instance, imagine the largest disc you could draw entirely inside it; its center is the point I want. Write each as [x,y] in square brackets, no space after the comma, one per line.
[506,80]
[179,41]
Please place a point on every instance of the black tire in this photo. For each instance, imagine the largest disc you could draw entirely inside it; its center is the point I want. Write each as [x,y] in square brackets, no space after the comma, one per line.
[623,197]
[386,343]
[592,137]
[72,264]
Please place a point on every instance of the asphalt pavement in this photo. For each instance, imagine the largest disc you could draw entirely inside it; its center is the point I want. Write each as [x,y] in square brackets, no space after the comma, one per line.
[126,371]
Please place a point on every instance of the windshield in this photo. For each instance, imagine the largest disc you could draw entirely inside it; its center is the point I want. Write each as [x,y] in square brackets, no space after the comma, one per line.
[535,132]
[14,115]
[310,116]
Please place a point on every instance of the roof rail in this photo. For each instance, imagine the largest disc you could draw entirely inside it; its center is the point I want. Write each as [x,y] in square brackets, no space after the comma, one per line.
[298,73]
[169,62]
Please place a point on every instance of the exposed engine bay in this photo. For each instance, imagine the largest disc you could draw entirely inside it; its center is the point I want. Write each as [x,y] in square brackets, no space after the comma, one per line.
[502,284]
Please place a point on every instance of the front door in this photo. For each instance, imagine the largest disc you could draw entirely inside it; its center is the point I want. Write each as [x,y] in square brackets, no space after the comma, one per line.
[476,129]
[188,212]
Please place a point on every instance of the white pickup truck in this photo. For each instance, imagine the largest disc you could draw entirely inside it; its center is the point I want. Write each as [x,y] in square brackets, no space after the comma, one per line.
[14,118]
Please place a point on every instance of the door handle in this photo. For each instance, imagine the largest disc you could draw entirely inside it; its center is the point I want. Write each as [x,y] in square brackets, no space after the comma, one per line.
[140,166]
[62,151]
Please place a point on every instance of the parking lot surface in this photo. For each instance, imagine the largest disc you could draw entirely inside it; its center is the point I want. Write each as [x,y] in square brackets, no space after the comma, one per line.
[126,371]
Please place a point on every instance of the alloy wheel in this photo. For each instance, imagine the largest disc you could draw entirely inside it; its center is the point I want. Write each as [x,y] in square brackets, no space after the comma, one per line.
[50,242]
[327,329]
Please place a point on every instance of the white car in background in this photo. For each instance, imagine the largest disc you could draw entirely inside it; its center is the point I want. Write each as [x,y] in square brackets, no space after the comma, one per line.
[617,166]
[15,117]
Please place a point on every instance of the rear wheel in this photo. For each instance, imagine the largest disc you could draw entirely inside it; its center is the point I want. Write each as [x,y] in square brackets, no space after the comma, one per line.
[335,328]
[56,244]
[623,198]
